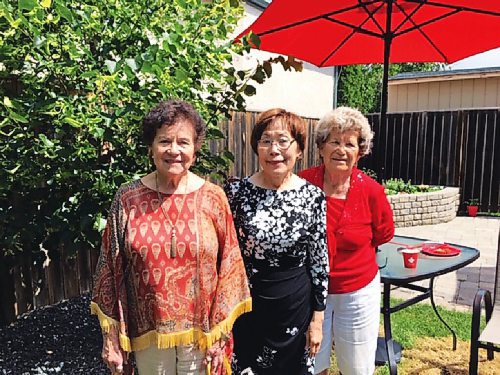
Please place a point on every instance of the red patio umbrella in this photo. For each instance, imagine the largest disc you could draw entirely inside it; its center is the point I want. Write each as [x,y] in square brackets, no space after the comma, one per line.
[344,32]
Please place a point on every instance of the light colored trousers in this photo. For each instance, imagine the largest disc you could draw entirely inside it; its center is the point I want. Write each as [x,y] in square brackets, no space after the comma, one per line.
[351,320]
[181,360]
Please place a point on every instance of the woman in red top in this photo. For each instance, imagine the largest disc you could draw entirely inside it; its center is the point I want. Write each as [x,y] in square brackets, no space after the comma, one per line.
[359,218]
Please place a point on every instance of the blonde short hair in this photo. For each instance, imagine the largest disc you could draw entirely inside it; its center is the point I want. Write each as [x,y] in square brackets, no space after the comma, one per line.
[344,119]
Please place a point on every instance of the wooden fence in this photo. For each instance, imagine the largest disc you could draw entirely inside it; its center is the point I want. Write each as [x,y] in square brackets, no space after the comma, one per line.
[459,148]
[25,284]
[452,148]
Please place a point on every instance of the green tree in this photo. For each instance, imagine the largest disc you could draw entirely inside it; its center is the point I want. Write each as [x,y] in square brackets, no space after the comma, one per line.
[360,86]
[76,78]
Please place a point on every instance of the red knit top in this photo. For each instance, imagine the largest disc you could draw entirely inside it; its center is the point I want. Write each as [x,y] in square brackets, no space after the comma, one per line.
[355,226]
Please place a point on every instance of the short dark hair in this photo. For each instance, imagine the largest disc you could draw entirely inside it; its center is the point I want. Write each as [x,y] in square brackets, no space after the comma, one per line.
[294,123]
[169,113]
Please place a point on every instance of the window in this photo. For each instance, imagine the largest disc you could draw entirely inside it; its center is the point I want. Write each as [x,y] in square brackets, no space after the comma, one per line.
[260,4]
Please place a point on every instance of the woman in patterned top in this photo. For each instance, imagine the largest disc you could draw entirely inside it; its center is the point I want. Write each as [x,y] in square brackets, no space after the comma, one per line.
[359,218]
[280,220]
[170,280]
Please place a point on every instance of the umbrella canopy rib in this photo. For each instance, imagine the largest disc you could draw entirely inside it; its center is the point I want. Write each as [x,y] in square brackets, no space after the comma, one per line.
[408,17]
[346,39]
[289,26]
[339,46]
[460,8]
[356,28]
[419,29]
[308,20]
[370,15]
[428,22]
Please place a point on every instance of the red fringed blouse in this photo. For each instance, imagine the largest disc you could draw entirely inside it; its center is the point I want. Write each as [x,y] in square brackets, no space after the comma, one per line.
[154,299]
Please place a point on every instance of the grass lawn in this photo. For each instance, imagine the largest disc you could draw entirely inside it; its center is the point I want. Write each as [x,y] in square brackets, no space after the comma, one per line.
[427,343]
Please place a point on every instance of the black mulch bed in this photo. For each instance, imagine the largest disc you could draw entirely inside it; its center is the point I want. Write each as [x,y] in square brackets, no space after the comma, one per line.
[59,339]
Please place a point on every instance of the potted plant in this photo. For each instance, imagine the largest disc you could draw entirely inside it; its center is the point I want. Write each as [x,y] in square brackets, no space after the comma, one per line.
[472,206]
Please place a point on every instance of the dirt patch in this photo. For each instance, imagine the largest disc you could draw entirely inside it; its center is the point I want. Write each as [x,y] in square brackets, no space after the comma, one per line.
[434,356]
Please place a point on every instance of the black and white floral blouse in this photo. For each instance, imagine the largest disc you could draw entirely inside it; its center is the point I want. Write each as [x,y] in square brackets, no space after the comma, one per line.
[282,230]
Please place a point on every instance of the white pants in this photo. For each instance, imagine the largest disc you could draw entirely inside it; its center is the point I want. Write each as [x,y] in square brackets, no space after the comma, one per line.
[351,320]
[181,360]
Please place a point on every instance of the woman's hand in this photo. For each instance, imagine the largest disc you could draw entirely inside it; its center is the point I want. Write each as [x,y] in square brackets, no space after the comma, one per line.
[215,356]
[112,355]
[314,334]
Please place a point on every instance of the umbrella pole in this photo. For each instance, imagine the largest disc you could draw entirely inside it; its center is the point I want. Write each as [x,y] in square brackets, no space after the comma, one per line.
[384,99]
[384,94]
[383,119]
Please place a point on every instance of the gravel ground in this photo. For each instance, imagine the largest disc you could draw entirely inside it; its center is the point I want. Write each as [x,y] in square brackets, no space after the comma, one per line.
[59,339]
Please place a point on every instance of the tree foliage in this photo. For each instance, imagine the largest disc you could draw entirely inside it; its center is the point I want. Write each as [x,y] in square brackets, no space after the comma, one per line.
[360,86]
[76,78]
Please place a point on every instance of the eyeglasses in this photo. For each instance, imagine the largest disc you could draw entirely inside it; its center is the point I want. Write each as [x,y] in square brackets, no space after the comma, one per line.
[282,143]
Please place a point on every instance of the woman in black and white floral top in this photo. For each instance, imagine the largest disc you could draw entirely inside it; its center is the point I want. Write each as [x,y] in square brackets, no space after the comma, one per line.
[281,221]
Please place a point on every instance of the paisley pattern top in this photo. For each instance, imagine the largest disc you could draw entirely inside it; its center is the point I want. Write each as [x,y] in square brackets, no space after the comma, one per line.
[154,298]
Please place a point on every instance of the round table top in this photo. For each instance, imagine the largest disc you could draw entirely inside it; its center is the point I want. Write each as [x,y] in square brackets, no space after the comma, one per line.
[392,269]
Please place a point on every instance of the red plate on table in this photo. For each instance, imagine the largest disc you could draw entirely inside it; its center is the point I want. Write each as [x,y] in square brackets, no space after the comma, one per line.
[440,250]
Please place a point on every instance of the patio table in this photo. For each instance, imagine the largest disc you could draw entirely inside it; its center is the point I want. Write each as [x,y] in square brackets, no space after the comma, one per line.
[393,273]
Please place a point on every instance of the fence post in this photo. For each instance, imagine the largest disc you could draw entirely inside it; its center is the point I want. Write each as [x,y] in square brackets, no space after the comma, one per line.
[7,291]
[23,283]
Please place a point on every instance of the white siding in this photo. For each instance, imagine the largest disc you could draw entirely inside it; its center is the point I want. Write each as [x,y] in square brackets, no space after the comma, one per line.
[444,93]
[308,93]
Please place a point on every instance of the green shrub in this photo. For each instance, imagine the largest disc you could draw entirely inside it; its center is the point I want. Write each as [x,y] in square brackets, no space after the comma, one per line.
[76,79]
[395,186]
[370,172]
[472,202]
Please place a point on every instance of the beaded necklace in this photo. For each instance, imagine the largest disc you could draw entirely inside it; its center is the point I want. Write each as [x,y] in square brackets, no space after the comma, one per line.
[173,236]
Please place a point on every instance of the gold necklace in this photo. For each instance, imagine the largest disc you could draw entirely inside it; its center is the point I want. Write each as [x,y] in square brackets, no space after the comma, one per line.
[173,236]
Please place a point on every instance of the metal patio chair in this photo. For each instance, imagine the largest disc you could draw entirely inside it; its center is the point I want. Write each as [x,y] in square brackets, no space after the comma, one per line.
[489,338]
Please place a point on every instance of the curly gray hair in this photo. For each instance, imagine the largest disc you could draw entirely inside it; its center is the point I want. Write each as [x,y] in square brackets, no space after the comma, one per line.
[344,119]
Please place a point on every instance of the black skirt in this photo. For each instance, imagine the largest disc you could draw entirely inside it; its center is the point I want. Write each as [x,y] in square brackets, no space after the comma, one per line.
[271,338]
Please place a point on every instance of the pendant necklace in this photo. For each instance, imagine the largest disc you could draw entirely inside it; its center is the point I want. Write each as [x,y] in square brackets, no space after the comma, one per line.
[173,236]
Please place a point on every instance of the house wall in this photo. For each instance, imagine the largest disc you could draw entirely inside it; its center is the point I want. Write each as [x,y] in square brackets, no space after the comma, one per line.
[444,93]
[308,93]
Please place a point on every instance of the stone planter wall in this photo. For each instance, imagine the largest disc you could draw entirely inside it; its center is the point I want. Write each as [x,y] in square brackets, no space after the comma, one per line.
[425,208]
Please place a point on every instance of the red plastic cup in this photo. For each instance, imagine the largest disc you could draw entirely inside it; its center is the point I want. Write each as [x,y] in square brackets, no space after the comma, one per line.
[410,257]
